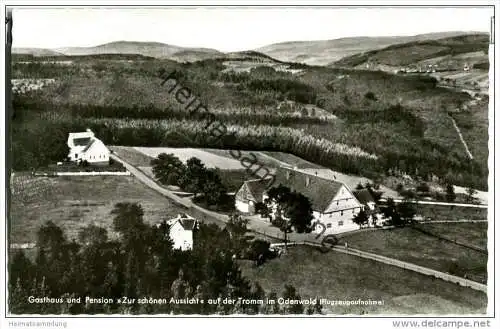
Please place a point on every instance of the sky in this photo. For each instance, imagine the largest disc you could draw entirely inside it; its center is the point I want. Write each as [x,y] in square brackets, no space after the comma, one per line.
[232,29]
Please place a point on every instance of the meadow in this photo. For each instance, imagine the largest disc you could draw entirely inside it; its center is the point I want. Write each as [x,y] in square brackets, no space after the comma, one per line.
[413,246]
[475,234]
[75,202]
[338,276]
[451,213]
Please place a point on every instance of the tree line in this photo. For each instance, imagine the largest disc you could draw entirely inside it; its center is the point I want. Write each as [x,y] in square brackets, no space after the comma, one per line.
[40,140]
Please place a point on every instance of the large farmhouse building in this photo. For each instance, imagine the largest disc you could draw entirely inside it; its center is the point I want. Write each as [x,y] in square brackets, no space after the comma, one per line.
[84,146]
[334,205]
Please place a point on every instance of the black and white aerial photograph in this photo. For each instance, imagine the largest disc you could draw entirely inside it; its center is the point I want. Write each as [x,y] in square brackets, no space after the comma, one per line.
[250,161]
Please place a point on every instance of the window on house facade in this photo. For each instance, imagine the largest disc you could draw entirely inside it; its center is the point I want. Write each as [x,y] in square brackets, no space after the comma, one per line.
[328,225]
[341,222]
[76,155]
[342,213]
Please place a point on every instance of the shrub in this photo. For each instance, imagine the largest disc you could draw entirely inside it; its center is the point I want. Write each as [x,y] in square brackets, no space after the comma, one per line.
[371,96]
[423,187]
[259,251]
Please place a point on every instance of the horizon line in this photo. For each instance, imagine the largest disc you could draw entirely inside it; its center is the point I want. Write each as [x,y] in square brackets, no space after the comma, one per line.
[269,44]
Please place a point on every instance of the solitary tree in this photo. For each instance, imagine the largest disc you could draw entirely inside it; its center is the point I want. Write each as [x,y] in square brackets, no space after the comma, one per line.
[213,189]
[194,177]
[299,209]
[450,193]
[315,308]
[423,187]
[361,218]
[168,169]
[237,225]
[470,194]
[262,209]
[294,307]
[93,235]
[292,205]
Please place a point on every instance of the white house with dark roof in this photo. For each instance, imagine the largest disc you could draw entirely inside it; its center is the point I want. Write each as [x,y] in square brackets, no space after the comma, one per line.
[181,231]
[333,204]
[84,146]
[250,193]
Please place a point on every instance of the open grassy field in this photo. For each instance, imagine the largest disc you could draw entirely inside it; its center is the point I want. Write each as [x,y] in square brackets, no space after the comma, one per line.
[132,156]
[292,160]
[75,202]
[209,159]
[338,276]
[231,178]
[261,157]
[410,245]
[475,234]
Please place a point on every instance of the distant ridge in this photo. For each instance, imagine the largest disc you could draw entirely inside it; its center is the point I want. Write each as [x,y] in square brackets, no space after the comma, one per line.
[465,47]
[320,52]
[324,52]
[36,52]
[150,49]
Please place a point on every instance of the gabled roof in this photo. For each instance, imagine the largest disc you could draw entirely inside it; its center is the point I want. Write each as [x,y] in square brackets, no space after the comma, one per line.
[320,191]
[85,141]
[88,145]
[256,188]
[364,196]
[187,222]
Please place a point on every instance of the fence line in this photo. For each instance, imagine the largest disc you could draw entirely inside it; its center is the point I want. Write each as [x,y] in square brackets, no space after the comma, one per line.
[86,173]
[466,205]
[416,268]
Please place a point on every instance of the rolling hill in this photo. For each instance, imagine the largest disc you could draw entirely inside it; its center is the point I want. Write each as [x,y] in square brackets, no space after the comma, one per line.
[36,52]
[149,49]
[323,52]
[432,51]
